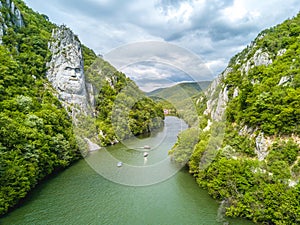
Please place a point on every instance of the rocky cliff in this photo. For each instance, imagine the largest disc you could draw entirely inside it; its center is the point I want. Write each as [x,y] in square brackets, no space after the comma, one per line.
[66,71]
[222,89]
[256,169]
[217,95]
[10,16]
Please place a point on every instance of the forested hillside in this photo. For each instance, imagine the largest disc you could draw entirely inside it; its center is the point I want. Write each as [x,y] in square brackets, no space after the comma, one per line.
[36,136]
[248,154]
[122,109]
[36,130]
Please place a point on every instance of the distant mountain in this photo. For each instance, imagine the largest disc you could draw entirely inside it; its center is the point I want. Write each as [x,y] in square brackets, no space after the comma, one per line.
[180,99]
[175,92]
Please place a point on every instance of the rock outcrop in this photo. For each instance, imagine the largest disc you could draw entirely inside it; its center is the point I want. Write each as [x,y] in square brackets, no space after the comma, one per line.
[13,17]
[91,145]
[217,95]
[66,71]
[284,80]
[259,58]
[281,52]
[261,147]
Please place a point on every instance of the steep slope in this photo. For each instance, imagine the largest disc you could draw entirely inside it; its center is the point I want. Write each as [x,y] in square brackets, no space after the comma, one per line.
[51,88]
[96,92]
[121,109]
[36,135]
[248,155]
[10,16]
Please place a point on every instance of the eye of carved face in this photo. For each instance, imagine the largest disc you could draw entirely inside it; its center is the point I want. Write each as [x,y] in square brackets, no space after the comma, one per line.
[77,70]
[68,68]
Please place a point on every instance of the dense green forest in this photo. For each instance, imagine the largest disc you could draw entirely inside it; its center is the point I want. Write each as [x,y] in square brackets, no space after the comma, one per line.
[122,109]
[225,161]
[36,132]
[36,135]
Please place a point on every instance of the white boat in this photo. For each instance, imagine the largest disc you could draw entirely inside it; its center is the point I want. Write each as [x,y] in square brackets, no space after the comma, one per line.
[147,147]
[146,154]
[119,164]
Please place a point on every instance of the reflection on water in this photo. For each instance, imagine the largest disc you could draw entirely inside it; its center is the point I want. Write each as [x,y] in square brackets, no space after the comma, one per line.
[145,161]
[79,195]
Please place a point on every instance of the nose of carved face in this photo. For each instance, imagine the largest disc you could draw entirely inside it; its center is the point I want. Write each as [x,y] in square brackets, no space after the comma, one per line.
[74,73]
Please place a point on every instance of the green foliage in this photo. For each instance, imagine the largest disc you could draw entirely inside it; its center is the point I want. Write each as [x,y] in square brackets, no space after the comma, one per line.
[180,91]
[122,110]
[295,171]
[182,100]
[265,197]
[183,149]
[242,145]
[199,149]
[251,193]
[99,72]
[263,191]
[283,151]
[268,204]
[89,58]
[145,116]
[228,177]
[166,105]
[263,103]
[36,135]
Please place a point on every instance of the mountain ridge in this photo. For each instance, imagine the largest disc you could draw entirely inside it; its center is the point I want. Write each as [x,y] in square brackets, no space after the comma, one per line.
[197,86]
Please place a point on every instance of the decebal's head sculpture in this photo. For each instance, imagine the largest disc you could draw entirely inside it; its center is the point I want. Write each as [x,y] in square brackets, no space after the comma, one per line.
[69,78]
[66,68]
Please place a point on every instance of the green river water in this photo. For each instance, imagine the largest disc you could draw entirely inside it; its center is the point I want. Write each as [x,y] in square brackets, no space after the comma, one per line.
[96,191]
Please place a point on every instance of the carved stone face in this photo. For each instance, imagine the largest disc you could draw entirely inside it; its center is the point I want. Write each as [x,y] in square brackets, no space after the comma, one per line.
[70,78]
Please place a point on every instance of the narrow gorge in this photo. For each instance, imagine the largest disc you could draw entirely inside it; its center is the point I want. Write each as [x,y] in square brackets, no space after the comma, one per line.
[60,102]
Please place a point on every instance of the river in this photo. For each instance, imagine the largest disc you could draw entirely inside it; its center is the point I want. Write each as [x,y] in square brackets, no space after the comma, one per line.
[152,191]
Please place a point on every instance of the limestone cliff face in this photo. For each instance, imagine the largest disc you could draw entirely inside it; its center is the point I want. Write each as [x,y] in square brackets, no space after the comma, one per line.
[66,72]
[12,17]
[218,94]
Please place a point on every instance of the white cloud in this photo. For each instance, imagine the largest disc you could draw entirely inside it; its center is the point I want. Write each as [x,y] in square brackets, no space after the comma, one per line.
[182,14]
[236,12]
[216,65]
[214,30]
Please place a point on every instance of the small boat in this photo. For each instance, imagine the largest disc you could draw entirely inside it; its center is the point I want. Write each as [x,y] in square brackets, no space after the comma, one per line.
[147,147]
[119,164]
[146,154]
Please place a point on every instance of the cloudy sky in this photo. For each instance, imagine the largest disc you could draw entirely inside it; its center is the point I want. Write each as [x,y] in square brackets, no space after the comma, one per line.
[206,32]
